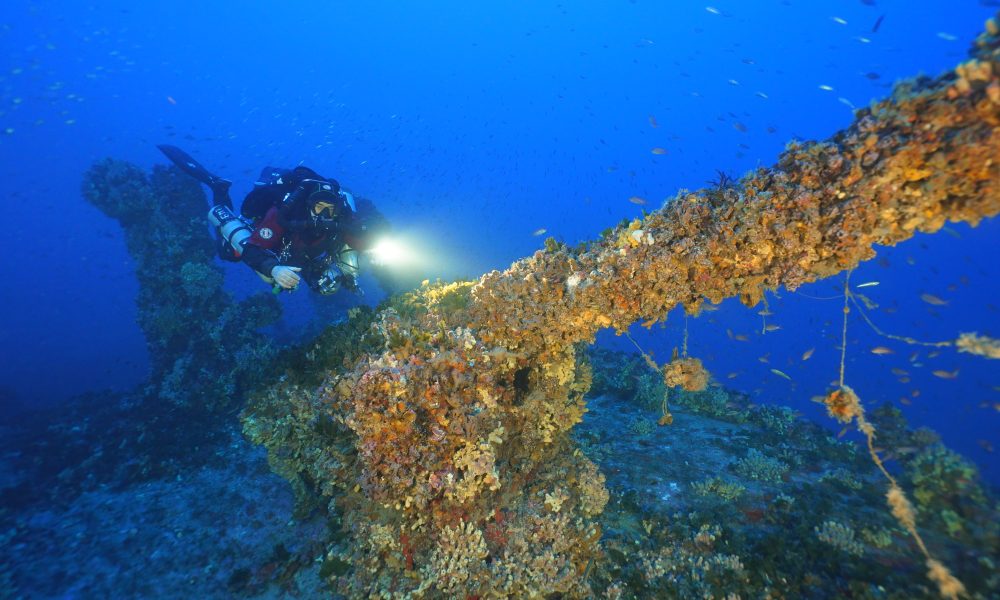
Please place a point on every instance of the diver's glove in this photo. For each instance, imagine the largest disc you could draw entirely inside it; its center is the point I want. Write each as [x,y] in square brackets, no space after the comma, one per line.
[286,277]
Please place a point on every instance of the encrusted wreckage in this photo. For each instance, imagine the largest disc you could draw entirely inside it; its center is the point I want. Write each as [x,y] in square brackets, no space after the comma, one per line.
[463,480]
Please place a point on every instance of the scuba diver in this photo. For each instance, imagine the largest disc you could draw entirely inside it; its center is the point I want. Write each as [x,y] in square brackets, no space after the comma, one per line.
[294,226]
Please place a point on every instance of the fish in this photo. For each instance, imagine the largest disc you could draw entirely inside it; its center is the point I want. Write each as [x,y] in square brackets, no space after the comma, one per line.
[945,374]
[768,328]
[899,372]
[947,36]
[658,150]
[652,122]
[872,75]
[713,10]
[808,354]
[766,358]
[539,231]
[839,21]
[171,100]
[740,127]
[637,200]
[867,284]
[733,82]
[933,300]
[878,22]
[733,375]
[826,88]
[846,102]
[762,95]
[881,350]
[781,373]
[905,401]
[985,445]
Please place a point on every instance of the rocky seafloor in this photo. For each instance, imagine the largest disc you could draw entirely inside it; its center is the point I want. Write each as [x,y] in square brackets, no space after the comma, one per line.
[731,498]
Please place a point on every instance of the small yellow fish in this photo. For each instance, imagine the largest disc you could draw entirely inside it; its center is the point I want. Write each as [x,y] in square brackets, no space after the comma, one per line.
[540,231]
[880,350]
[867,284]
[658,151]
[780,373]
[808,354]
[737,336]
[637,200]
[945,374]
[768,328]
[933,300]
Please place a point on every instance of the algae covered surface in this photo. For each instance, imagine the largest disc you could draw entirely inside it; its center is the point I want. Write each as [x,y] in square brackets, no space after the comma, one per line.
[466,440]
[464,475]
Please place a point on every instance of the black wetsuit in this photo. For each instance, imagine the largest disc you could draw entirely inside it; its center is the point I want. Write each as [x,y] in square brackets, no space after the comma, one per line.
[286,234]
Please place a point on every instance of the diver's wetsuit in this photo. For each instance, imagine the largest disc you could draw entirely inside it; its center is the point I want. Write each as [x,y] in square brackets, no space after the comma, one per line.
[284,236]
[284,230]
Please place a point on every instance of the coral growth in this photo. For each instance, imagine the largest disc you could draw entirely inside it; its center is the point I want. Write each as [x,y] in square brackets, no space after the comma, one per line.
[687,373]
[461,416]
[205,349]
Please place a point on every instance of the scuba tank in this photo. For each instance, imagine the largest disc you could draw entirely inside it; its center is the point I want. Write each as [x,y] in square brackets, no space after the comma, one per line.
[233,231]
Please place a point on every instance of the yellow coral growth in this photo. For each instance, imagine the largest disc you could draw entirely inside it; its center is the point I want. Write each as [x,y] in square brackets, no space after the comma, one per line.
[687,373]
[949,587]
[980,345]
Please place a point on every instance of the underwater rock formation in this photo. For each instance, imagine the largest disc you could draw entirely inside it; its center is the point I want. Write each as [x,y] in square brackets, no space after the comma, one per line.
[205,349]
[462,477]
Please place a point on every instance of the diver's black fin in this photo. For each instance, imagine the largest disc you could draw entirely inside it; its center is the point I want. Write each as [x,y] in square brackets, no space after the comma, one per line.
[186,163]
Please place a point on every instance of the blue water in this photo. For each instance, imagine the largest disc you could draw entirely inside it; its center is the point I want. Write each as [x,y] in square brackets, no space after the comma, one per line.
[472,125]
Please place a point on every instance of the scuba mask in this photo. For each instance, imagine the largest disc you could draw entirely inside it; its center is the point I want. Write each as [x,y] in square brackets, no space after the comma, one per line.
[322,201]
[323,213]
